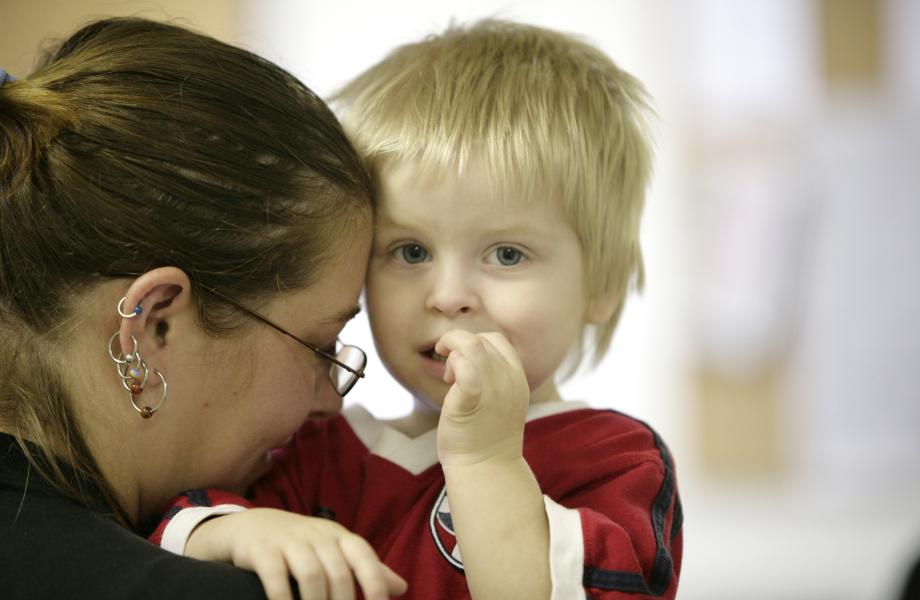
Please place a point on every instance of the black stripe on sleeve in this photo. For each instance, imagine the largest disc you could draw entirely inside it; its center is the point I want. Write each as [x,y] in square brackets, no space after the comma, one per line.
[663,566]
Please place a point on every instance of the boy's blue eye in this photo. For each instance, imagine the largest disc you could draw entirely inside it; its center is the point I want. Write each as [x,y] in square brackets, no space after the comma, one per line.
[412,253]
[508,256]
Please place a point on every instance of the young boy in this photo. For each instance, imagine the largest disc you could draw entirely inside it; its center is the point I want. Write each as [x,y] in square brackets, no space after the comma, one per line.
[512,163]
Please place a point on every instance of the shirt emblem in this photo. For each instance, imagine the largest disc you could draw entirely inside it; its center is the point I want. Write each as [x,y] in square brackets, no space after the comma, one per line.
[442,530]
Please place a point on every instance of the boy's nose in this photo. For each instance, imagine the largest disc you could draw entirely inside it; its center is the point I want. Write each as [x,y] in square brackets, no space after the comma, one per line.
[452,294]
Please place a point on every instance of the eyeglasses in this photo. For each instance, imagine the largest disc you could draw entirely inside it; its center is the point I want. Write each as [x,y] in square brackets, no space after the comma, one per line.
[348,362]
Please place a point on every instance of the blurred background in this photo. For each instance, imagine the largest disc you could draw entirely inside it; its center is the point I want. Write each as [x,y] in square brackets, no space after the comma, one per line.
[777,345]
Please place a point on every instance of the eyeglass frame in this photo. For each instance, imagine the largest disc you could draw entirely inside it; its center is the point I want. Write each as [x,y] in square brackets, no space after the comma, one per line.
[359,374]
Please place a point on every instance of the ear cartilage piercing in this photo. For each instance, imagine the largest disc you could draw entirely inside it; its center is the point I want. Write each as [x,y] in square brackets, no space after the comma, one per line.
[128,315]
[122,358]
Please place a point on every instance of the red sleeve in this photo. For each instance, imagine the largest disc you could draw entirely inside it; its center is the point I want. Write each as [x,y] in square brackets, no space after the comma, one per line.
[633,548]
[191,499]
[620,478]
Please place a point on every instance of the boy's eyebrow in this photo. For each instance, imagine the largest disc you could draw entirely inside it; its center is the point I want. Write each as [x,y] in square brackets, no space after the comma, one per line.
[343,317]
[386,219]
[493,229]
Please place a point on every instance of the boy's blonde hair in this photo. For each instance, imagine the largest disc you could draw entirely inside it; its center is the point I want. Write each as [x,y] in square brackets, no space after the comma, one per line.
[542,111]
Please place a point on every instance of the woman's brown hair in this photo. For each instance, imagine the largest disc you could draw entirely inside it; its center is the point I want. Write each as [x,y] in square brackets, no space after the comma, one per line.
[137,144]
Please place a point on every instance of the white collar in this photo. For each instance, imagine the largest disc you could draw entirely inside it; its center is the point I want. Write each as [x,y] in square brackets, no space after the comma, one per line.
[418,454]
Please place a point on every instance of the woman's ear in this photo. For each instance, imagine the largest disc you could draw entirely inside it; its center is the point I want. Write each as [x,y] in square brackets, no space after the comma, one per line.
[155,299]
[602,307]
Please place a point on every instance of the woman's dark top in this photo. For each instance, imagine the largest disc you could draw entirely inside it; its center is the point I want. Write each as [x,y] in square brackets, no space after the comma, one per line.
[52,547]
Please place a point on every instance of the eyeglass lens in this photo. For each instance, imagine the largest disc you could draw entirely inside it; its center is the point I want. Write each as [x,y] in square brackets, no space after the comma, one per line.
[342,379]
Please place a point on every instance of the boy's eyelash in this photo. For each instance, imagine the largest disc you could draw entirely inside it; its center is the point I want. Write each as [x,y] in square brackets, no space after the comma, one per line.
[391,247]
[523,255]
[398,252]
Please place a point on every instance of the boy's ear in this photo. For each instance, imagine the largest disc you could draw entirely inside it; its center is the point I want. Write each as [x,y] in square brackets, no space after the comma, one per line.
[602,307]
[162,294]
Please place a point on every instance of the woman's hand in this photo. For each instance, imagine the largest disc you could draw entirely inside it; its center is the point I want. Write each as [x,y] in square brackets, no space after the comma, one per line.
[322,556]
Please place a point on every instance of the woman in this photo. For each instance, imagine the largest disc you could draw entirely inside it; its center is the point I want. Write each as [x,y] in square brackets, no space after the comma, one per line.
[163,198]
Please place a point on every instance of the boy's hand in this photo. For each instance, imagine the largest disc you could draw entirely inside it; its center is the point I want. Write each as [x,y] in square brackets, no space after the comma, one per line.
[322,556]
[486,406]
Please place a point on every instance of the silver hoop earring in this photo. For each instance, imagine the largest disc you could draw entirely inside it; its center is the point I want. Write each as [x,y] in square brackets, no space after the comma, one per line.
[138,309]
[134,373]
[122,358]
[146,412]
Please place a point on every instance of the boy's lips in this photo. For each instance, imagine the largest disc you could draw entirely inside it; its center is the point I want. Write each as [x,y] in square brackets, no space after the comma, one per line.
[427,350]
[431,354]
[434,363]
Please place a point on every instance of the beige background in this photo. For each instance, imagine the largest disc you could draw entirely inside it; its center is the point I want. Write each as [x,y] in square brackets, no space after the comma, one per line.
[28,25]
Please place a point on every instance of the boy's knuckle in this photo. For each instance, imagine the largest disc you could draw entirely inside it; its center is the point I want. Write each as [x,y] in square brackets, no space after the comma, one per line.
[357,543]
[339,577]
[375,588]
[310,574]
[273,571]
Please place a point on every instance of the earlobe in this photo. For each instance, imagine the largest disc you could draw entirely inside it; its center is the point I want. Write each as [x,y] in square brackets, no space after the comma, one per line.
[602,308]
[150,304]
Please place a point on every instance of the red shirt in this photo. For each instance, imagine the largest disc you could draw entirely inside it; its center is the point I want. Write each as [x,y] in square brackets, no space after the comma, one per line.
[608,482]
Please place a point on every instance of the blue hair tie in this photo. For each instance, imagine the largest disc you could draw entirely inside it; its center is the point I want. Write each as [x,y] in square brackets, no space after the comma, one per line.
[5,77]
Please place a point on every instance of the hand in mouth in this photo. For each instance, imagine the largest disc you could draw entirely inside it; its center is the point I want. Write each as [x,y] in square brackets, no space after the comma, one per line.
[430,353]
